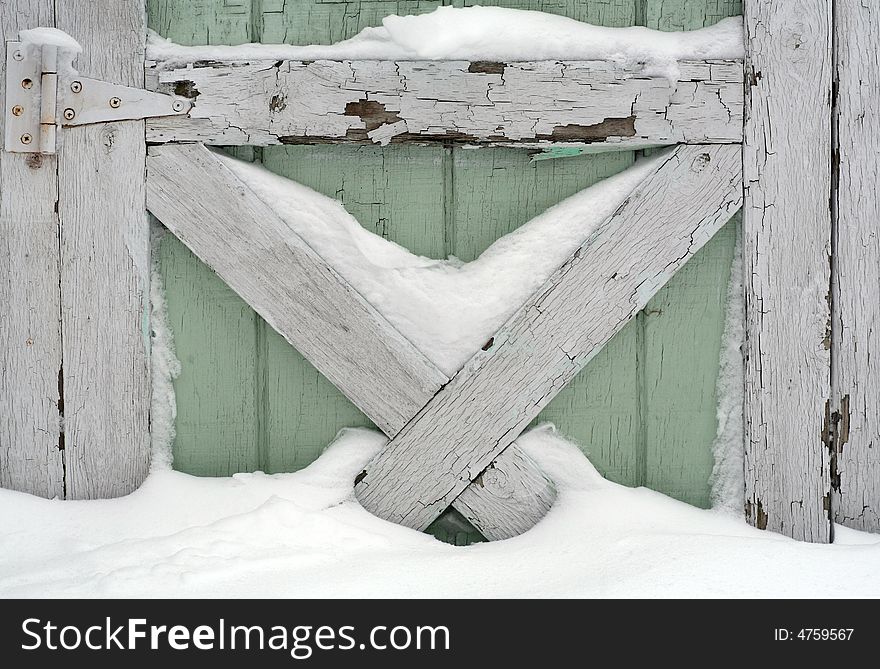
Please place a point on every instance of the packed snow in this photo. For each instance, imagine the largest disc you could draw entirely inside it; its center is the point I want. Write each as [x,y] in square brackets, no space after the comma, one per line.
[164,365]
[51,37]
[486,33]
[448,309]
[727,480]
[304,535]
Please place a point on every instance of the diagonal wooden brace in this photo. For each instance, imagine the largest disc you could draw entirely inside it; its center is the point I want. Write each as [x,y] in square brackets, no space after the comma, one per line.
[239,236]
[477,415]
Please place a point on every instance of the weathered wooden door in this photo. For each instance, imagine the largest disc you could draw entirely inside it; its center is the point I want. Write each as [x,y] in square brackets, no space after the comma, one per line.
[644,409]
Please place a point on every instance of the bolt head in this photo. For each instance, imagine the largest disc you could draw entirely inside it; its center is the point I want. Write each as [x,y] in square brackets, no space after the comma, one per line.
[76,86]
[17,110]
[115,102]
[26,138]
[27,83]
[18,55]
[69,114]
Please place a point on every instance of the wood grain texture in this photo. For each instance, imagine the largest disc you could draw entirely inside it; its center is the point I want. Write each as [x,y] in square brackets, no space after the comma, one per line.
[856,327]
[786,249]
[486,405]
[508,497]
[278,274]
[581,103]
[105,251]
[30,327]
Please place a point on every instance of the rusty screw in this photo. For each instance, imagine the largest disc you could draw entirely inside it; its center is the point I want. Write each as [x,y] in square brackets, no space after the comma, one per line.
[18,55]
[115,102]
[17,110]
[26,138]
[69,114]
[26,83]
[76,86]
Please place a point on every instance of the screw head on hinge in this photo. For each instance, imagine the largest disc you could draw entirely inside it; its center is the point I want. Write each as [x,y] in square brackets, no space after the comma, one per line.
[177,105]
[27,83]
[69,114]
[115,102]
[76,86]
[26,138]
[18,55]
[17,110]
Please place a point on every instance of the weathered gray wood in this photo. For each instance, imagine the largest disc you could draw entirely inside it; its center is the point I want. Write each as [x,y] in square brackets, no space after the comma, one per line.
[105,252]
[239,236]
[231,229]
[606,282]
[534,104]
[30,329]
[508,497]
[786,250]
[856,305]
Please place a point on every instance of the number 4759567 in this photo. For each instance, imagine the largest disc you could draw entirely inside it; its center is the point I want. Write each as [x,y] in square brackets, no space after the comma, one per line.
[813,634]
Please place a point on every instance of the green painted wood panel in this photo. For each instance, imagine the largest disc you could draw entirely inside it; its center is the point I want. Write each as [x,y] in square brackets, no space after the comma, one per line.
[683,325]
[219,394]
[644,409]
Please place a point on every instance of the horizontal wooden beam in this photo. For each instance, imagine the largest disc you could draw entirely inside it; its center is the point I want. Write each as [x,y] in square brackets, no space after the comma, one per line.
[227,226]
[596,104]
[611,277]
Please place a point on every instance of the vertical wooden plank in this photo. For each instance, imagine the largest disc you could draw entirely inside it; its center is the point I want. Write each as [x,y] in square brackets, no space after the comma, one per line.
[328,21]
[220,389]
[687,14]
[683,325]
[856,268]
[786,250]
[30,328]
[105,252]
[203,21]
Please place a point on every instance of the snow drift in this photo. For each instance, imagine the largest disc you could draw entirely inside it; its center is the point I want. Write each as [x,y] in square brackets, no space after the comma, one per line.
[487,33]
[304,535]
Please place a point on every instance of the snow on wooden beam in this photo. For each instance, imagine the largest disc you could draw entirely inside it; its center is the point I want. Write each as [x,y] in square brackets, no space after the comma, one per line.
[474,417]
[786,250]
[226,225]
[598,104]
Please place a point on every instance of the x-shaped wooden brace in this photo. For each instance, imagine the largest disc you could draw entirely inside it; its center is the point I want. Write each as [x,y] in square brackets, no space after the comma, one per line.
[450,440]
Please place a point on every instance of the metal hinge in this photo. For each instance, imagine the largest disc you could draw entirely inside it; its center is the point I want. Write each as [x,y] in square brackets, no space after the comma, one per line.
[39,99]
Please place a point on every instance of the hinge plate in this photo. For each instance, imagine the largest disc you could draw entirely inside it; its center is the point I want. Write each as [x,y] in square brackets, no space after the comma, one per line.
[83,101]
[40,99]
[23,99]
